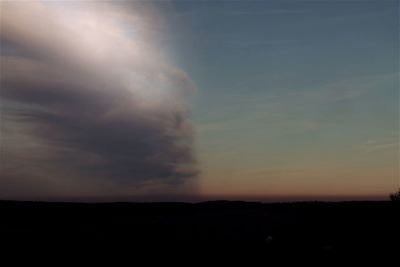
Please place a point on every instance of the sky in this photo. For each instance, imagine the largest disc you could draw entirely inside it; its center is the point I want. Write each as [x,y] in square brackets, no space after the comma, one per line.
[197,100]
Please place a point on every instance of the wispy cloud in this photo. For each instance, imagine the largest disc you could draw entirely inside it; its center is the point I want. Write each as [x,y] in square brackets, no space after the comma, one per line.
[387,143]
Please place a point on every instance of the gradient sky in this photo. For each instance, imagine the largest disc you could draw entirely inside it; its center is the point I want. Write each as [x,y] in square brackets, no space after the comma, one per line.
[291,100]
[294,97]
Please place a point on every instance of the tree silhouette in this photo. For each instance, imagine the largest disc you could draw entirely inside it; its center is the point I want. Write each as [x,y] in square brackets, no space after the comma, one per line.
[395,196]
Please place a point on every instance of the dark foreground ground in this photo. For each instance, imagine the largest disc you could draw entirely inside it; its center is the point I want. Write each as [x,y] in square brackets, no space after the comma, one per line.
[225,229]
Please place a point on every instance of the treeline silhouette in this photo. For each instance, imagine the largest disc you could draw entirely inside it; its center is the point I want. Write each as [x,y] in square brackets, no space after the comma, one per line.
[395,196]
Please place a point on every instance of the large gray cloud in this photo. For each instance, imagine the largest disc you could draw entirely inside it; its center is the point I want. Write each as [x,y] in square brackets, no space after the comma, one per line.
[87,94]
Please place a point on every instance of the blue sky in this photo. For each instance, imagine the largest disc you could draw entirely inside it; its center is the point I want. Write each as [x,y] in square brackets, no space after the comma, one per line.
[293,97]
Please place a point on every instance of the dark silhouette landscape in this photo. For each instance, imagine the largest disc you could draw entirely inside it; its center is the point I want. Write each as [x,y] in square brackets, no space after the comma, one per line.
[328,229]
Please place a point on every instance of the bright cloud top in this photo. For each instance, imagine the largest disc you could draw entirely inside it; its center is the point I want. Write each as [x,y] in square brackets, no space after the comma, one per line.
[89,100]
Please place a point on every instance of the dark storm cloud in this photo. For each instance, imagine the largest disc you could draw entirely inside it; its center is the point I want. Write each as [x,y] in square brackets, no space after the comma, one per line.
[91,99]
